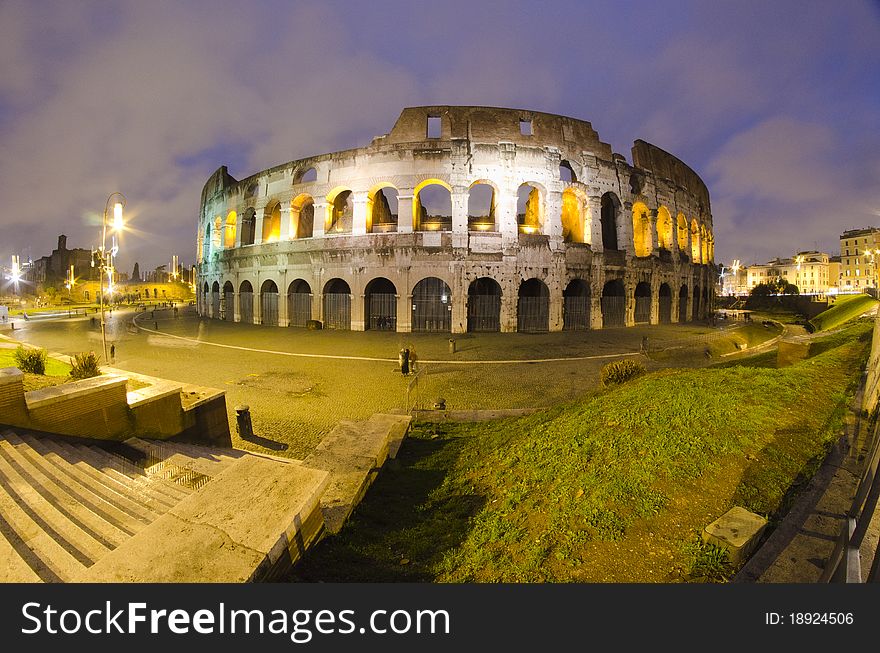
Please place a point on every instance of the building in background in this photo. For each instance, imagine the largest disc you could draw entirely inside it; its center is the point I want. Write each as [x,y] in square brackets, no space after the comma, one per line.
[814,273]
[54,270]
[858,250]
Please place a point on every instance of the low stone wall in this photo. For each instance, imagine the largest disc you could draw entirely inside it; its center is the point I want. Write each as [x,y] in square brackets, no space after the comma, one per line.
[872,381]
[100,408]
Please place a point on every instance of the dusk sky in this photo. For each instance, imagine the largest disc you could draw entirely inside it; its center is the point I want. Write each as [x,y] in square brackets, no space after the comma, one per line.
[776,105]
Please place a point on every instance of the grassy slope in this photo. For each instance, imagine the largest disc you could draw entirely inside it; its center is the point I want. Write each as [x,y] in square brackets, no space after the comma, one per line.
[842,311]
[613,488]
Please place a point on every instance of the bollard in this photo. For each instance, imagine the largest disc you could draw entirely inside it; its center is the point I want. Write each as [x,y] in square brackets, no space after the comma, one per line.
[452,345]
[243,421]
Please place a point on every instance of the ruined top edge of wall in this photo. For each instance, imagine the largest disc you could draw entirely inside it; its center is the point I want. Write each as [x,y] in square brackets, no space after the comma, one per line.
[663,164]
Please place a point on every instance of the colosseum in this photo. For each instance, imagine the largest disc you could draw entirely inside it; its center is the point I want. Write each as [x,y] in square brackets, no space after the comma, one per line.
[461,219]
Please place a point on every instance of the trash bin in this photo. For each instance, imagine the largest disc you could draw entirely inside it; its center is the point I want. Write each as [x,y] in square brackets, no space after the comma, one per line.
[452,345]
[243,421]
[403,359]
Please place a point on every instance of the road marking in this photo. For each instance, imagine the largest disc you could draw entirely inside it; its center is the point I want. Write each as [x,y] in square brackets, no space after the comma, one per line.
[383,360]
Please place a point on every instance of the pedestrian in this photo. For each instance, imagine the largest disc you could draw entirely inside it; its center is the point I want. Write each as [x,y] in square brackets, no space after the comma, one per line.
[403,359]
[113,352]
[412,359]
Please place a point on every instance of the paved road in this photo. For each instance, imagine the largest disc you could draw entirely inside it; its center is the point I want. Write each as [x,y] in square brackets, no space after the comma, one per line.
[300,383]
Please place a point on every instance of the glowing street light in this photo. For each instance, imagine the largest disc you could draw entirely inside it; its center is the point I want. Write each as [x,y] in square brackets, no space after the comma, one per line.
[106,256]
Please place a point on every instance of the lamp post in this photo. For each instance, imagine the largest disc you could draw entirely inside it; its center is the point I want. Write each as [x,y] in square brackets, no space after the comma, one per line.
[106,256]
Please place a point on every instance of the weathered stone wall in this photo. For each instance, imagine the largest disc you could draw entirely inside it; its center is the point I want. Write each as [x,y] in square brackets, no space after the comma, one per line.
[475,145]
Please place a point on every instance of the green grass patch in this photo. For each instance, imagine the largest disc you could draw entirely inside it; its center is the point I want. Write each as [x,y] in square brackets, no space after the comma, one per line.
[599,489]
[56,372]
[842,311]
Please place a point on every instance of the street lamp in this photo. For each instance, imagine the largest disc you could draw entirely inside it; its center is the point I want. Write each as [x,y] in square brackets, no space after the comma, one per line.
[106,256]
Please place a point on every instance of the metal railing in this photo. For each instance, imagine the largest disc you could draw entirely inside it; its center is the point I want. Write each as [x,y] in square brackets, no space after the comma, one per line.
[417,390]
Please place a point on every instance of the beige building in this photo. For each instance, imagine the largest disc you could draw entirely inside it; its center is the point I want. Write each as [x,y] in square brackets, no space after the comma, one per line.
[858,250]
[814,273]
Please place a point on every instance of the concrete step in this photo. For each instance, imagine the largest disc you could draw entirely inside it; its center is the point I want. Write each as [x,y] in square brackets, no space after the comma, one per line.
[202,460]
[13,567]
[29,536]
[137,509]
[168,493]
[63,497]
[398,426]
[82,542]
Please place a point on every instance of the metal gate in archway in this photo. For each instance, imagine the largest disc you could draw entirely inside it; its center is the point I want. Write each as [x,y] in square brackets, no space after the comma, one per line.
[431,306]
[337,311]
[576,307]
[246,310]
[382,311]
[229,307]
[215,304]
[533,307]
[683,304]
[664,305]
[299,308]
[269,308]
[484,306]
[642,309]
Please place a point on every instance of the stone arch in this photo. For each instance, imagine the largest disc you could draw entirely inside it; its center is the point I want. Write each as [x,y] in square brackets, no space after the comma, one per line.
[337,305]
[683,303]
[229,235]
[533,307]
[248,227]
[695,241]
[246,302]
[215,300]
[302,216]
[206,247]
[482,202]
[340,211]
[431,305]
[269,303]
[272,222]
[642,296]
[641,229]
[665,231]
[299,303]
[696,309]
[683,236]
[664,304]
[576,306]
[610,211]
[613,304]
[432,206]
[217,234]
[382,208]
[566,172]
[305,175]
[704,245]
[484,305]
[710,242]
[530,207]
[574,203]
[380,305]
[228,301]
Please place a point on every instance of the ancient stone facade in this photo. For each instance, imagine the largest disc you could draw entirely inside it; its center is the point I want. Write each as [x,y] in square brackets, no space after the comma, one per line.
[461,219]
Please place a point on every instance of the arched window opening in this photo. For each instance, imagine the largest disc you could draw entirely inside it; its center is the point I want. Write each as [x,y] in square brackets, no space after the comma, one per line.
[306,176]
[566,172]
[704,245]
[432,305]
[609,213]
[664,229]
[643,302]
[613,304]
[228,301]
[682,227]
[269,303]
[246,302]
[248,227]
[380,305]
[576,306]
[302,215]
[484,305]
[641,230]
[432,208]
[215,300]
[573,216]
[529,209]
[229,236]
[341,213]
[695,241]
[337,305]
[272,223]
[481,207]
[533,307]
[299,303]
[382,210]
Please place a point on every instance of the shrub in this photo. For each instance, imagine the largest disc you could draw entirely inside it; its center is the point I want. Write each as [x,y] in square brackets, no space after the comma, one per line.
[85,366]
[621,371]
[31,360]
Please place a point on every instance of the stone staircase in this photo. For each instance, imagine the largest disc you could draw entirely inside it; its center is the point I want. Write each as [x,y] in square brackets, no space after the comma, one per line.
[64,505]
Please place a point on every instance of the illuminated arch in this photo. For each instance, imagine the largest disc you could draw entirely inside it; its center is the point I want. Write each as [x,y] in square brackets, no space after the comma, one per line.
[229,236]
[482,198]
[530,207]
[272,222]
[610,210]
[695,241]
[704,245]
[574,203]
[436,213]
[682,228]
[641,229]
[302,216]
[340,211]
[382,208]
[248,227]
[664,229]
